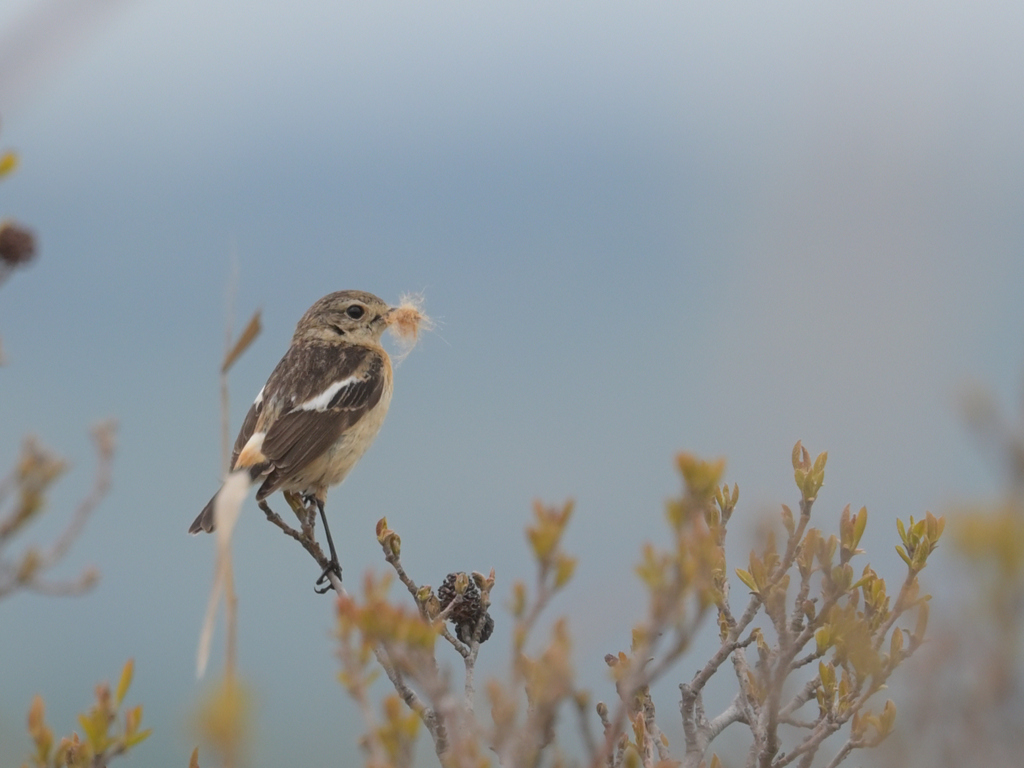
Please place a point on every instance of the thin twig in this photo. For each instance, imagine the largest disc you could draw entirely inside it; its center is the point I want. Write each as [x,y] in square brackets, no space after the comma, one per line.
[304,538]
[805,694]
[586,732]
[80,586]
[842,754]
[103,437]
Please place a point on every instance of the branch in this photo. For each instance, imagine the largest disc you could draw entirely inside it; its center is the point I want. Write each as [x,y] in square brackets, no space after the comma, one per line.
[79,586]
[732,714]
[729,645]
[103,438]
[804,661]
[806,694]
[37,469]
[793,543]
[429,716]
[586,732]
[393,557]
[305,538]
[842,754]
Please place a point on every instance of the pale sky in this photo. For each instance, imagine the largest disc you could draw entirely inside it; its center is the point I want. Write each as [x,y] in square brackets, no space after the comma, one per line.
[643,228]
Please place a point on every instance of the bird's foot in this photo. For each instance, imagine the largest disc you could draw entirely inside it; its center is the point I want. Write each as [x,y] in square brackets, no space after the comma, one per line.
[324,583]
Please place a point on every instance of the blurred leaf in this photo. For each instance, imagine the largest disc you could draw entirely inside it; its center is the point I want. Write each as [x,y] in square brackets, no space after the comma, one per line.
[564,570]
[126,680]
[41,735]
[799,455]
[896,644]
[788,520]
[224,718]
[822,639]
[137,738]
[518,606]
[8,162]
[252,330]
[903,554]
[94,726]
[860,525]
[700,477]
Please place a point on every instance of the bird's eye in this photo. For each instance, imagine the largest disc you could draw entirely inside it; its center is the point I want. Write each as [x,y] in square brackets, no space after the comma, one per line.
[355,311]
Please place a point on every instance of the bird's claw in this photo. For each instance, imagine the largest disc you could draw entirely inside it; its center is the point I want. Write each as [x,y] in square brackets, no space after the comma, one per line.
[324,583]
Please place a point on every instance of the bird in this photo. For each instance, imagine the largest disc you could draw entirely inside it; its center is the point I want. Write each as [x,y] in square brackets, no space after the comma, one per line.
[320,410]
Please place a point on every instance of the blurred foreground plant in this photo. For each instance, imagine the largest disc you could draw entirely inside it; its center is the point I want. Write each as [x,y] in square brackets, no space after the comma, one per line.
[967,695]
[23,491]
[23,498]
[223,718]
[812,632]
[17,244]
[101,740]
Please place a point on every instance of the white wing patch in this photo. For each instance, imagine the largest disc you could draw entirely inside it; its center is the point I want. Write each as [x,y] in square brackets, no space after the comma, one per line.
[259,397]
[252,451]
[321,401]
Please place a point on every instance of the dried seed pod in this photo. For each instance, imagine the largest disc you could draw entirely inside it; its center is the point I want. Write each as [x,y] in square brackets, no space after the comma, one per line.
[468,612]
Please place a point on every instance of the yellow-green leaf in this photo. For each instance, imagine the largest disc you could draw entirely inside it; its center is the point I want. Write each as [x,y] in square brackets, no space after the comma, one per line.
[132,719]
[922,621]
[827,673]
[887,718]
[137,738]
[822,639]
[125,682]
[859,525]
[94,726]
[747,579]
[788,520]
[564,570]
[896,644]
[819,463]
[8,162]
[903,554]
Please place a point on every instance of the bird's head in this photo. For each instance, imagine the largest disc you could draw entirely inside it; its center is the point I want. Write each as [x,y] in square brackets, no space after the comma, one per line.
[357,317]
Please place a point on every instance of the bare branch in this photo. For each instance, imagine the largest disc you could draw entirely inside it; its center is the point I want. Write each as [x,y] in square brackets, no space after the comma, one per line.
[86,581]
[842,754]
[732,714]
[103,438]
[305,538]
[805,694]
[36,471]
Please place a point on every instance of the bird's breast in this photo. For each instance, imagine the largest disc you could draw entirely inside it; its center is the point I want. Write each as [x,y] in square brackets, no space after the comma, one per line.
[339,459]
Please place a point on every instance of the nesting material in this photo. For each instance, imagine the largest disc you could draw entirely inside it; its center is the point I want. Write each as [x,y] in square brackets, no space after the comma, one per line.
[408,319]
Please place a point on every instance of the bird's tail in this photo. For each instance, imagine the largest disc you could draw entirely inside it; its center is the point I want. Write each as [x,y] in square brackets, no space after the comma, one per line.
[205,520]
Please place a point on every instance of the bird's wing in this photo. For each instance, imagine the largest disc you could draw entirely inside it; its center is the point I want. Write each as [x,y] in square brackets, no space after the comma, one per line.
[248,427]
[331,388]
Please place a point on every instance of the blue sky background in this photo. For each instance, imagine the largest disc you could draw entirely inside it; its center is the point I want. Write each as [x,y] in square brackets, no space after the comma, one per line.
[643,227]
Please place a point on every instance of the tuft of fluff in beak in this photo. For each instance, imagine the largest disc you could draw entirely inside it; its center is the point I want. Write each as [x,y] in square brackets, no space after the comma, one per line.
[407,320]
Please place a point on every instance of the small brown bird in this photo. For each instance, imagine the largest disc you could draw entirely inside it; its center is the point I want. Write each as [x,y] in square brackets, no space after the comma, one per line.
[320,409]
